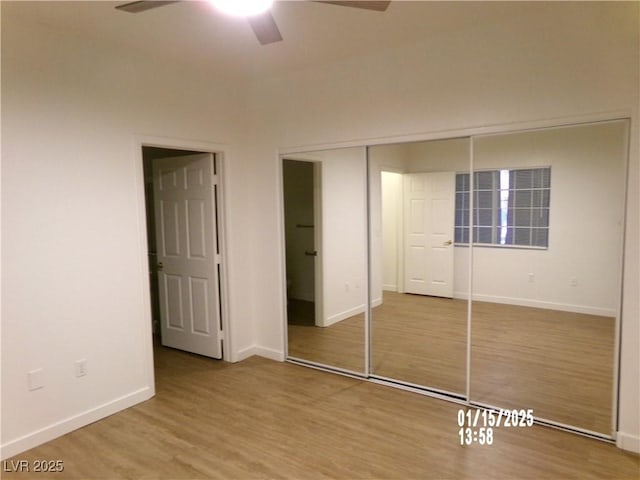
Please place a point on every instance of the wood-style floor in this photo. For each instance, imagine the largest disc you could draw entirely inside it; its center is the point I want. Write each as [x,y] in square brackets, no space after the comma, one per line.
[559,364]
[261,419]
[340,345]
[421,340]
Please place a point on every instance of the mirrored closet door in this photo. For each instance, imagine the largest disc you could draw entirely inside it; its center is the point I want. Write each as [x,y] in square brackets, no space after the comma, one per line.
[530,222]
[419,274]
[326,261]
[548,209]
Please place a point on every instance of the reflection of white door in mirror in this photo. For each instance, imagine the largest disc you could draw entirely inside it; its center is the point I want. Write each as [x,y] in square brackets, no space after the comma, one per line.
[429,203]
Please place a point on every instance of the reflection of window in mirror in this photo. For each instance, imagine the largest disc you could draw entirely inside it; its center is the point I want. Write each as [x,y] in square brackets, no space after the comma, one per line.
[546,275]
[510,207]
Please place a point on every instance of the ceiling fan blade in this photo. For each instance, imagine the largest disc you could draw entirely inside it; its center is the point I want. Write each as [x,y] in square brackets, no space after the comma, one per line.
[379,6]
[265,28]
[141,6]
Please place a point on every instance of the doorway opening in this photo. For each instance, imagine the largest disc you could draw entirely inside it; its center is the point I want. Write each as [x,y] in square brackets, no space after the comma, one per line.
[302,227]
[183,212]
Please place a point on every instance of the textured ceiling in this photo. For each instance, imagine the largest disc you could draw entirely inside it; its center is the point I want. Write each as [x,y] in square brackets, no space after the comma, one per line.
[314,33]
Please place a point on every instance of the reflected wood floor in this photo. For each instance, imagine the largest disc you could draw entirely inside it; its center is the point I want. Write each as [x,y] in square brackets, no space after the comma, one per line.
[559,364]
[421,340]
[340,345]
[261,419]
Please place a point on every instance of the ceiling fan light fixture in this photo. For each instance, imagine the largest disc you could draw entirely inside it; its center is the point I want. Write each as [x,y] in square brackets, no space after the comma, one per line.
[242,8]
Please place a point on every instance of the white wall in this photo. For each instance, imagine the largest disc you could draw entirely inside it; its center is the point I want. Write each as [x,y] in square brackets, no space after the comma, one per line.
[344,233]
[391,230]
[561,61]
[73,251]
[382,158]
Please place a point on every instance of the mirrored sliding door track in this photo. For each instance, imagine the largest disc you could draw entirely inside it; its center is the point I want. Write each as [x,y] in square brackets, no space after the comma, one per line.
[326,368]
[429,392]
[550,423]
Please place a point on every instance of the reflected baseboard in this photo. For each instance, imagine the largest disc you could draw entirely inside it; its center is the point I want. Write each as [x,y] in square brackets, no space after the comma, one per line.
[527,302]
[344,315]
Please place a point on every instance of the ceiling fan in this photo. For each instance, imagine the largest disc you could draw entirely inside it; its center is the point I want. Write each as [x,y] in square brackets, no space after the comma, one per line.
[263,24]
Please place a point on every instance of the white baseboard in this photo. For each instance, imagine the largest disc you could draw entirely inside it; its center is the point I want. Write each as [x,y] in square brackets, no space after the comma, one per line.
[526,302]
[628,442]
[270,353]
[343,315]
[244,353]
[55,430]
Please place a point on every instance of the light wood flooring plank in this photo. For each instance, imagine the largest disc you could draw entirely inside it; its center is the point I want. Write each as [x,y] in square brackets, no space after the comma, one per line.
[340,345]
[260,419]
[421,340]
[558,363]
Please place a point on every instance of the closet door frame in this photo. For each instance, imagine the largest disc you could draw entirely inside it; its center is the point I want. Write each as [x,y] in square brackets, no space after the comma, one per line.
[474,133]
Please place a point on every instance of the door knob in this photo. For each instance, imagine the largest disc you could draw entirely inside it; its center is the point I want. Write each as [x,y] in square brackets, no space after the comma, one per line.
[160,266]
[447,243]
[310,254]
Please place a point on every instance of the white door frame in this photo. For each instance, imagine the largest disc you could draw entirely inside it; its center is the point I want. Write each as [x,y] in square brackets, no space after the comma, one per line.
[399,254]
[318,245]
[222,155]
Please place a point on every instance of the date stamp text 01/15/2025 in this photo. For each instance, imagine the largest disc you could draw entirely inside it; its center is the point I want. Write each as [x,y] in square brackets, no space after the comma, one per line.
[477,425]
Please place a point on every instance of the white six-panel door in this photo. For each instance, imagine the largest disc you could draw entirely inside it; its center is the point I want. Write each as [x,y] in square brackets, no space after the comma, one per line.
[429,210]
[187,253]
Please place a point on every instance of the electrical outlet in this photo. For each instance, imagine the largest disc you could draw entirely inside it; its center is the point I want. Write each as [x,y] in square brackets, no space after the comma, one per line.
[35,379]
[532,277]
[574,282]
[81,367]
